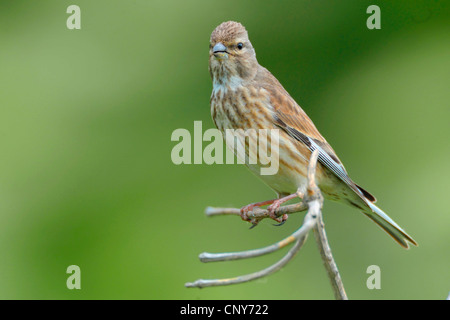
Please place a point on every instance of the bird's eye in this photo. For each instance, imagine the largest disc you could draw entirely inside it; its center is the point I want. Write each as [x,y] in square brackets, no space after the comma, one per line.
[240,45]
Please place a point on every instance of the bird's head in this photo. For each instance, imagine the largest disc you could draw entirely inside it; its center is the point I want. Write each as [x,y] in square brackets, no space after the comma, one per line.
[231,54]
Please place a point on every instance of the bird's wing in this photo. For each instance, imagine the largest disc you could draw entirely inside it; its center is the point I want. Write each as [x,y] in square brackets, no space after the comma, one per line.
[294,121]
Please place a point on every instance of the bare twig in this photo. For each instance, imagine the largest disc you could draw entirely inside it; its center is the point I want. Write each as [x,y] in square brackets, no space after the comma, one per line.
[227,256]
[257,213]
[321,236]
[328,261]
[311,200]
[201,283]
[310,221]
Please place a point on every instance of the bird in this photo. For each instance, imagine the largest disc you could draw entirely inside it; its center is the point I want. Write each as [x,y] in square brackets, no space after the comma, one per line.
[245,95]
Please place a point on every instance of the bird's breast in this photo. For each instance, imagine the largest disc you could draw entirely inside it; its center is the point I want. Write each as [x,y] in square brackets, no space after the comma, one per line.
[239,107]
[249,109]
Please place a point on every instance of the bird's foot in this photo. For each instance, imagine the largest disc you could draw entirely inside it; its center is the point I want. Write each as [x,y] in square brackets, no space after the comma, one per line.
[276,205]
[249,208]
[272,208]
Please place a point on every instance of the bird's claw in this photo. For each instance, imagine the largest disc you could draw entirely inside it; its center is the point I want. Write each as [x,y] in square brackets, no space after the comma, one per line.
[281,223]
[272,208]
[254,224]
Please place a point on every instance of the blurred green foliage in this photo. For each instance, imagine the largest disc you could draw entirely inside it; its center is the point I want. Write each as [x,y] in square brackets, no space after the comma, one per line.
[86,118]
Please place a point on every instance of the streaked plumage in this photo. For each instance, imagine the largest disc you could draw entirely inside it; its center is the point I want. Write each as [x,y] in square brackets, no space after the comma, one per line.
[247,96]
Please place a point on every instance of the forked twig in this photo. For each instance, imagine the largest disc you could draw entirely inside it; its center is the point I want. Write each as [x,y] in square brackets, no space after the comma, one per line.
[312,201]
[201,283]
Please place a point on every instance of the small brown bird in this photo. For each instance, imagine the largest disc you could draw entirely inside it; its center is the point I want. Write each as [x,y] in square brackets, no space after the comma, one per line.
[247,96]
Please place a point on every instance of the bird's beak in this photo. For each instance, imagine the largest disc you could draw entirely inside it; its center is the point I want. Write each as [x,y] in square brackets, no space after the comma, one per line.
[220,51]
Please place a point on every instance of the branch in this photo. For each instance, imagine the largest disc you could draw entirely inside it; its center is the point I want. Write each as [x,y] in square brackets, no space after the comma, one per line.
[313,202]
[328,261]
[321,236]
[309,222]
[257,213]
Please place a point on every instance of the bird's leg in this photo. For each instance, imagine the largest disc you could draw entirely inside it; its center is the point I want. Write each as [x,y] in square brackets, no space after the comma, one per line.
[249,208]
[276,204]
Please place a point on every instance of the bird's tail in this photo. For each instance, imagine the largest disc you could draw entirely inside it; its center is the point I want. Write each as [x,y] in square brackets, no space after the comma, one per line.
[388,225]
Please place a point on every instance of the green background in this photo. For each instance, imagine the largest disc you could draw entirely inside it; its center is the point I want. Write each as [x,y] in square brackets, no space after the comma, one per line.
[86,118]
